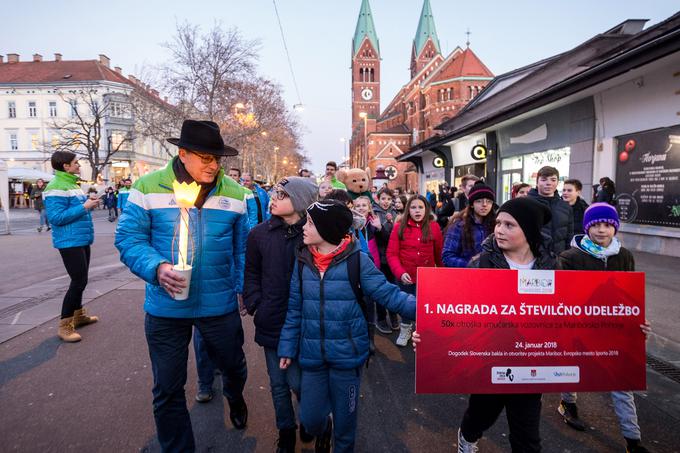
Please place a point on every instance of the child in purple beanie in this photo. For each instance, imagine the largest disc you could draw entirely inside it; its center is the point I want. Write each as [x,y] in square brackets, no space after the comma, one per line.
[600,250]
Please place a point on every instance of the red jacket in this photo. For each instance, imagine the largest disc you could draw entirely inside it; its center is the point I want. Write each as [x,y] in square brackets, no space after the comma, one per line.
[408,254]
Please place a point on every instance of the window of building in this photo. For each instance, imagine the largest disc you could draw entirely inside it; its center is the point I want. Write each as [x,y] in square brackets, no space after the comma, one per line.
[35,140]
[53,108]
[117,140]
[74,107]
[32,109]
[13,141]
[12,109]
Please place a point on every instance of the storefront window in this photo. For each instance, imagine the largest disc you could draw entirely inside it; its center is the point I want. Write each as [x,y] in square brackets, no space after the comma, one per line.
[524,168]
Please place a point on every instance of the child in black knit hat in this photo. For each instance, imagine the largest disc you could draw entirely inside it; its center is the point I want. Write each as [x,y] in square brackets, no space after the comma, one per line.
[326,329]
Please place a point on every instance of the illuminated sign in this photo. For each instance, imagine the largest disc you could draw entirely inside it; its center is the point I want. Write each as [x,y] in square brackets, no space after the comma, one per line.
[438,162]
[478,152]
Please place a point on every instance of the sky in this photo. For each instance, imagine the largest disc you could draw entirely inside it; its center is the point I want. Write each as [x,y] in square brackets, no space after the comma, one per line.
[504,34]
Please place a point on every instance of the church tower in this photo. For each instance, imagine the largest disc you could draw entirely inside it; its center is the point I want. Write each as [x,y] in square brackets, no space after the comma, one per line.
[365,67]
[426,43]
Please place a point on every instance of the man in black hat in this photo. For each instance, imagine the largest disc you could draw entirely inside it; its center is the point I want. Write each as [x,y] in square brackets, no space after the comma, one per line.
[218,228]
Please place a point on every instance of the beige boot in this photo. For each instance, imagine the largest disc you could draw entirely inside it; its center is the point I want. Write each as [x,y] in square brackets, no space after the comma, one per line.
[80,318]
[67,331]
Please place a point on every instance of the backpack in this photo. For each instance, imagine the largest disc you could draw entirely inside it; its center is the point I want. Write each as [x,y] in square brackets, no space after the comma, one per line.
[354,274]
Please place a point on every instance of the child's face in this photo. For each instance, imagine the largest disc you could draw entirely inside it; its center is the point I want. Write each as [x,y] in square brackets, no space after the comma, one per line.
[602,233]
[361,206]
[324,189]
[398,205]
[417,210]
[508,233]
[310,235]
[385,201]
[570,194]
[546,185]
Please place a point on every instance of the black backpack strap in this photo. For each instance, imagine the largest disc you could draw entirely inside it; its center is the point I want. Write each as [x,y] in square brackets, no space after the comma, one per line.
[354,273]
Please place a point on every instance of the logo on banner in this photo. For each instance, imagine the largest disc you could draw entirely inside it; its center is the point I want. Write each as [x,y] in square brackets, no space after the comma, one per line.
[530,281]
[533,373]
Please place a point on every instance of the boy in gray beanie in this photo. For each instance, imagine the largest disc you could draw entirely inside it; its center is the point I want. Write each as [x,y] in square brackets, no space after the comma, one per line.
[270,254]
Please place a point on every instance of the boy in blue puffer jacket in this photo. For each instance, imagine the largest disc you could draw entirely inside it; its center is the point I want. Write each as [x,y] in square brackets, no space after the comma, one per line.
[325,328]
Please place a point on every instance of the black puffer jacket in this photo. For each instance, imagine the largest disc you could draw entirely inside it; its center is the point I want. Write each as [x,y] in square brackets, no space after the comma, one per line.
[578,210]
[270,257]
[492,257]
[558,232]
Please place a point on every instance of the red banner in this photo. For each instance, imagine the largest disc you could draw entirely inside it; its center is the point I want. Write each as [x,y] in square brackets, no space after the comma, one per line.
[507,331]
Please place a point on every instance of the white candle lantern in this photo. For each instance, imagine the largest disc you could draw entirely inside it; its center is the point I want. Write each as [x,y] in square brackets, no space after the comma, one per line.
[185,197]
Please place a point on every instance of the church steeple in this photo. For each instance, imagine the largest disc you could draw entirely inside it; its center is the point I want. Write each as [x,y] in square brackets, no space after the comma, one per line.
[426,41]
[365,29]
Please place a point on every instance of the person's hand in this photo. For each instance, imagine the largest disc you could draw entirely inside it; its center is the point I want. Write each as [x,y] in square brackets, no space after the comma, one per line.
[170,280]
[90,203]
[241,306]
[389,217]
[415,339]
[406,279]
[646,329]
[375,221]
[285,362]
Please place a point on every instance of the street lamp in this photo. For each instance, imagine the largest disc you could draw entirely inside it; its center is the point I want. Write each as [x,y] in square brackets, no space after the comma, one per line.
[364,154]
[343,140]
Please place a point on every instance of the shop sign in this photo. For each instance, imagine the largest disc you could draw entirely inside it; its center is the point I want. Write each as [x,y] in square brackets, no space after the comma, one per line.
[438,162]
[648,177]
[479,152]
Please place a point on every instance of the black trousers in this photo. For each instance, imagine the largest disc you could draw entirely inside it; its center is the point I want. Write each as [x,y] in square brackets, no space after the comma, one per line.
[523,412]
[77,263]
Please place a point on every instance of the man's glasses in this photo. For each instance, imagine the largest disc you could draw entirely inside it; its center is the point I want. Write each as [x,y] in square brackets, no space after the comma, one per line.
[280,195]
[208,158]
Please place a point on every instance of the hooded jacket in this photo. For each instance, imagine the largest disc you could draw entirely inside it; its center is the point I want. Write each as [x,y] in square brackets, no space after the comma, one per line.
[325,325]
[145,237]
[577,258]
[408,254]
[270,259]
[492,257]
[558,232]
[71,222]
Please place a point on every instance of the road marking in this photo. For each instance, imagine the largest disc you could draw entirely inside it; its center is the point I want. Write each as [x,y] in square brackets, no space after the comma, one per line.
[16,317]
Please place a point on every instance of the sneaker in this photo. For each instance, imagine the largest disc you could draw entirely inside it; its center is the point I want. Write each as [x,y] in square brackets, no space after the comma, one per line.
[323,442]
[634,446]
[383,327]
[569,413]
[464,446]
[40,229]
[204,396]
[394,321]
[404,334]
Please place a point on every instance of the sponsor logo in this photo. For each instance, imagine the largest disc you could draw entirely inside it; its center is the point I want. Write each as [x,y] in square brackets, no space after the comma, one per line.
[172,202]
[535,375]
[535,282]
[649,158]
[224,203]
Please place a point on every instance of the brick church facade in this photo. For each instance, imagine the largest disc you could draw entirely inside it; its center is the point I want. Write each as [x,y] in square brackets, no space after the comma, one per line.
[440,86]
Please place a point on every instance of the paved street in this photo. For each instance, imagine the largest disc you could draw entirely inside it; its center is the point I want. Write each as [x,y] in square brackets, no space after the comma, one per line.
[95,395]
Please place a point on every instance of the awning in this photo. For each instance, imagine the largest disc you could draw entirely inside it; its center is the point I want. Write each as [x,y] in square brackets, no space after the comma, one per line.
[28,174]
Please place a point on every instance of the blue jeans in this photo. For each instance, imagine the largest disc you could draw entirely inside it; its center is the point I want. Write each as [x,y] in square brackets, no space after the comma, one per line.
[168,340]
[43,218]
[281,383]
[409,289]
[626,412]
[205,368]
[330,390]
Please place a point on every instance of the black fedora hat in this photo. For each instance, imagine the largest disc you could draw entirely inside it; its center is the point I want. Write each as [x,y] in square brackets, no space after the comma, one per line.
[203,136]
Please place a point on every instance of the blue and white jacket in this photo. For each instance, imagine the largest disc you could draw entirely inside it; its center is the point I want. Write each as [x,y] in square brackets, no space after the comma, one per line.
[146,237]
[325,325]
[71,222]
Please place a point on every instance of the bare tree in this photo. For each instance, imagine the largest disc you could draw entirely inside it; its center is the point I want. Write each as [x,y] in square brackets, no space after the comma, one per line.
[203,67]
[84,132]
